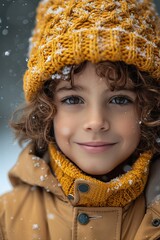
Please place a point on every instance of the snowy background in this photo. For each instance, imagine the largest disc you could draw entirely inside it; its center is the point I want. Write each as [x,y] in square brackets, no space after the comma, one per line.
[16,22]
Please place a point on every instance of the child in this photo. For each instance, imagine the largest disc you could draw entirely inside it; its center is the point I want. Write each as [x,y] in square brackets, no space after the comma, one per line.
[92,121]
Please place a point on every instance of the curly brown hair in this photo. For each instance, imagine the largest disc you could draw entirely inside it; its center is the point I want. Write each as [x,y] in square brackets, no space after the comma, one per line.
[34,121]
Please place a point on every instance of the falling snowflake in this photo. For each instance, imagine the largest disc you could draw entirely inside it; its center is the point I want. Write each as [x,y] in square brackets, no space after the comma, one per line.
[50,216]
[42,178]
[35,226]
[130,182]
[66,70]
[7,53]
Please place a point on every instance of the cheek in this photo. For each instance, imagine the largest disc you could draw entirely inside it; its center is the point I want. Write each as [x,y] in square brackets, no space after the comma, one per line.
[65,131]
[128,124]
[62,126]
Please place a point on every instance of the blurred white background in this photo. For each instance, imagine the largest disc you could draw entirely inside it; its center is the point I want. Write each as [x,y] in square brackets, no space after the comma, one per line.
[16,22]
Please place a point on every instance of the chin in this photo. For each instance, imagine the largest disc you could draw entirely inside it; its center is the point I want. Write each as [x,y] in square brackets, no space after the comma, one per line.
[95,172]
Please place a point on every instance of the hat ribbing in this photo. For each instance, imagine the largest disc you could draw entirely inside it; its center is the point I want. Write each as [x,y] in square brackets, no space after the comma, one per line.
[73,31]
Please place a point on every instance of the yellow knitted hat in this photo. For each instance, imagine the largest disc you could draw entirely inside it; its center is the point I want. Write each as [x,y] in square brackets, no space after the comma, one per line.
[69,32]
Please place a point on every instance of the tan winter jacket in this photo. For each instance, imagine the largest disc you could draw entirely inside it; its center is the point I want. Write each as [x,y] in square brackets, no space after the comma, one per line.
[37,209]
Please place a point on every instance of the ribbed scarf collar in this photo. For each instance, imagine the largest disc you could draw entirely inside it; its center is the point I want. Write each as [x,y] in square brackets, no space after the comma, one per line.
[118,192]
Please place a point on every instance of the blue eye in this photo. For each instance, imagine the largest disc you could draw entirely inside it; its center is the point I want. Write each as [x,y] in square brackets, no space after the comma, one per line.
[120,100]
[72,100]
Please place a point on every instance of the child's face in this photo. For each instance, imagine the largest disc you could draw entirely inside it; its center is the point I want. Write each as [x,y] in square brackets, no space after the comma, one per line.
[95,128]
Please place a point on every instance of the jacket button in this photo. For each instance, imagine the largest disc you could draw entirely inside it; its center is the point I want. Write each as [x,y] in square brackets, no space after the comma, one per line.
[70,197]
[83,188]
[156,222]
[83,218]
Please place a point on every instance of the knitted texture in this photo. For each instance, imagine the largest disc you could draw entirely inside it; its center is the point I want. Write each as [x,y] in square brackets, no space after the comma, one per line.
[70,32]
[117,193]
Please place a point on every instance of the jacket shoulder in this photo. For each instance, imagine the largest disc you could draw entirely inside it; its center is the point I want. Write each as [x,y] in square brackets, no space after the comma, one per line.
[11,209]
[22,194]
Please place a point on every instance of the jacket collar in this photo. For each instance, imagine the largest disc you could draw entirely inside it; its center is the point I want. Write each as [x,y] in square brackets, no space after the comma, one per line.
[35,171]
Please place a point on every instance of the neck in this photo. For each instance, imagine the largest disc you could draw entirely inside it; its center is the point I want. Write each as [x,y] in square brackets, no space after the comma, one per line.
[118,171]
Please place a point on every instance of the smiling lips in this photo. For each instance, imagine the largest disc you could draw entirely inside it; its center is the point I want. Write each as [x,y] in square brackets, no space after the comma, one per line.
[96,147]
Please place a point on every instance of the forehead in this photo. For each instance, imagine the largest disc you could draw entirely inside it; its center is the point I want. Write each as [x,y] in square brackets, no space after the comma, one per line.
[80,81]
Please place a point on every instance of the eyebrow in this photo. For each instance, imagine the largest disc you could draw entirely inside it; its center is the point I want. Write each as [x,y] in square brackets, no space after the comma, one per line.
[81,88]
[69,88]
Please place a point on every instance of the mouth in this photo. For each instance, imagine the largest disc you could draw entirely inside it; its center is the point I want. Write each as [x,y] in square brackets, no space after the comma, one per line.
[96,147]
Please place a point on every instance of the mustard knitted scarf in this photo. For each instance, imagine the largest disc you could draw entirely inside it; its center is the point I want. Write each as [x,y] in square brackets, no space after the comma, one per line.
[118,192]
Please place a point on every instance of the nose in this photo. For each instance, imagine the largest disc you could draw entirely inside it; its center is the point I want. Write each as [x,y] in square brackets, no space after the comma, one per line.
[96,121]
